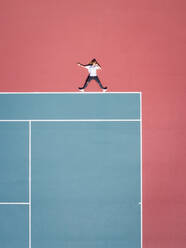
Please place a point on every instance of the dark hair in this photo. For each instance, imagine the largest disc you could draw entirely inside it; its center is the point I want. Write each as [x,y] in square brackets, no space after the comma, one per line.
[93,61]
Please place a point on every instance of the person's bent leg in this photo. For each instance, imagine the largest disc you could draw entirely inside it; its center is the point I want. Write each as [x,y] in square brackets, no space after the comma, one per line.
[100,84]
[86,83]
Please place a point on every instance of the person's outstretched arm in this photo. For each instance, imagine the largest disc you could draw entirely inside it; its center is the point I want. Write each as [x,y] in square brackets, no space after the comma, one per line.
[81,65]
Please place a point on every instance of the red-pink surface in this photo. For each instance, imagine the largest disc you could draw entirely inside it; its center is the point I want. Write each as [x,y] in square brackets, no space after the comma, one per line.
[141,46]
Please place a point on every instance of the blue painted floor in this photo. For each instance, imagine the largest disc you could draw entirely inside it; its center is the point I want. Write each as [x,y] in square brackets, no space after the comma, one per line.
[85,175]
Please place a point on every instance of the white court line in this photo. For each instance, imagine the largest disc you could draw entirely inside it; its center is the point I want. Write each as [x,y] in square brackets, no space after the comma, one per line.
[68,92]
[141,170]
[30,199]
[72,120]
[14,203]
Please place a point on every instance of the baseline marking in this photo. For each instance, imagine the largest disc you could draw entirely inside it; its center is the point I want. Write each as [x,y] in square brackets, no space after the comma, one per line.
[72,92]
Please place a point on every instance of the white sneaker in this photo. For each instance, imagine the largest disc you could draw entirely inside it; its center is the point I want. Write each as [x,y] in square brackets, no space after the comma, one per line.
[104,90]
[82,90]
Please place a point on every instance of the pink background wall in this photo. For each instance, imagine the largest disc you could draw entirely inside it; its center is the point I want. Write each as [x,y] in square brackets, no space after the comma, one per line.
[141,46]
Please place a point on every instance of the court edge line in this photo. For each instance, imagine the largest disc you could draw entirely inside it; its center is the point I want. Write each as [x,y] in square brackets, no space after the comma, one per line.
[71,92]
[30,200]
[141,170]
[73,120]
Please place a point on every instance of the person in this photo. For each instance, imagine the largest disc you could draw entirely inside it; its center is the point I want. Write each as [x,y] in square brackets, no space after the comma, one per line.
[92,67]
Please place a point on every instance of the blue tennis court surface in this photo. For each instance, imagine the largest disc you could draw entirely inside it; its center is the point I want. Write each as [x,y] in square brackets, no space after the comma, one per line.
[70,170]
